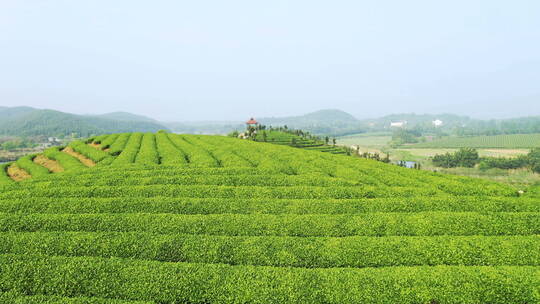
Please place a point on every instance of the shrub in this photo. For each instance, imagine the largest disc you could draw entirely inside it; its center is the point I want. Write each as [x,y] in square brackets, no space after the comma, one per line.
[464,157]
[504,163]
[534,160]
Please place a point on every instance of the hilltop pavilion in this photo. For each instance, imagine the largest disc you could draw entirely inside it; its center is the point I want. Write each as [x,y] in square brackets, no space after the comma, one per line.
[252,123]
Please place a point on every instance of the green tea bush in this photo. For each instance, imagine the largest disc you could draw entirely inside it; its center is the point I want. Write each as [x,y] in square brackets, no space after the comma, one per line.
[129,279]
[368,224]
[282,251]
[168,152]
[90,152]
[130,151]
[27,163]
[177,205]
[4,178]
[119,143]
[108,141]
[195,155]
[68,162]
[147,154]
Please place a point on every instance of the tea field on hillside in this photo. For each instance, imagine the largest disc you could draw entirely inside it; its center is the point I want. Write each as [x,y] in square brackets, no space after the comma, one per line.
[167,218]
[293,140]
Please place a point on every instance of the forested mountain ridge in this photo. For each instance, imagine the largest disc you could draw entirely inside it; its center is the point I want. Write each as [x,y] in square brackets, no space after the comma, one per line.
[338,123]
[520,125]
[125,116]
[323,116]
[416,120]
[324,122]
[26,121]
[453,124]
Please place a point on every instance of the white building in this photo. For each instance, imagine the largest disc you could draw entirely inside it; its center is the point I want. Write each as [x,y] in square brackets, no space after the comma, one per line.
[437,123]
[398,124]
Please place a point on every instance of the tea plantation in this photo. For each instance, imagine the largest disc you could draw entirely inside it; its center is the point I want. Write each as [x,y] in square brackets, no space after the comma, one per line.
[165,218]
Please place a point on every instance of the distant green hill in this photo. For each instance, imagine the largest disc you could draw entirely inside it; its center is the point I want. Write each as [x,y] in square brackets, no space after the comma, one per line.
[125,116]
[14,113]
[206,127]
[322,116]
[422,121]
[323,122]
[26,121]
[455,124]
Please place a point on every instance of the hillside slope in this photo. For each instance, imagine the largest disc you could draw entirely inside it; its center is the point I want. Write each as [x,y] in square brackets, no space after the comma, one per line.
[297,141]
[165,218]
[26,121]
[125,116]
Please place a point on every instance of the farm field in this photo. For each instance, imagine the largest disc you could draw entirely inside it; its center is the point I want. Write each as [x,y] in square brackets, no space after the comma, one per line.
[518,178]
[374,143]
[6,156]
[425,153]
[167,218]
[513,141]
[367,140]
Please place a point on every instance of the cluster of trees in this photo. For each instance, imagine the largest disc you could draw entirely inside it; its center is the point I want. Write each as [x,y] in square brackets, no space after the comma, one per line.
[531,160]
[534,160]
[405,136]
[522,125]
[261,131]
[17,144]
[327,140]
[504,163]
[457,125]
[468,157]
[464,157]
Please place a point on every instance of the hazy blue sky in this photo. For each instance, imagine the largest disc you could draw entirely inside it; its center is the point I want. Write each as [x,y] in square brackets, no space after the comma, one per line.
[223,60]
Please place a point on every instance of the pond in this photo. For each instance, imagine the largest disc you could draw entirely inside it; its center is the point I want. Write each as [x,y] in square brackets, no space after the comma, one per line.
[406,164]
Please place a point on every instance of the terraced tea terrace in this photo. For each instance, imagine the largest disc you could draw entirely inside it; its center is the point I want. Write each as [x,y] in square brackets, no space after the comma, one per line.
[283,138]
[164,218]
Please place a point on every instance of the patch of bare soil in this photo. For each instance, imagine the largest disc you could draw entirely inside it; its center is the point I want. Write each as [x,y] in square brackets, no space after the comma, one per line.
[48,163]
[94,145]
[83,159]
[16,173]
[107,150]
